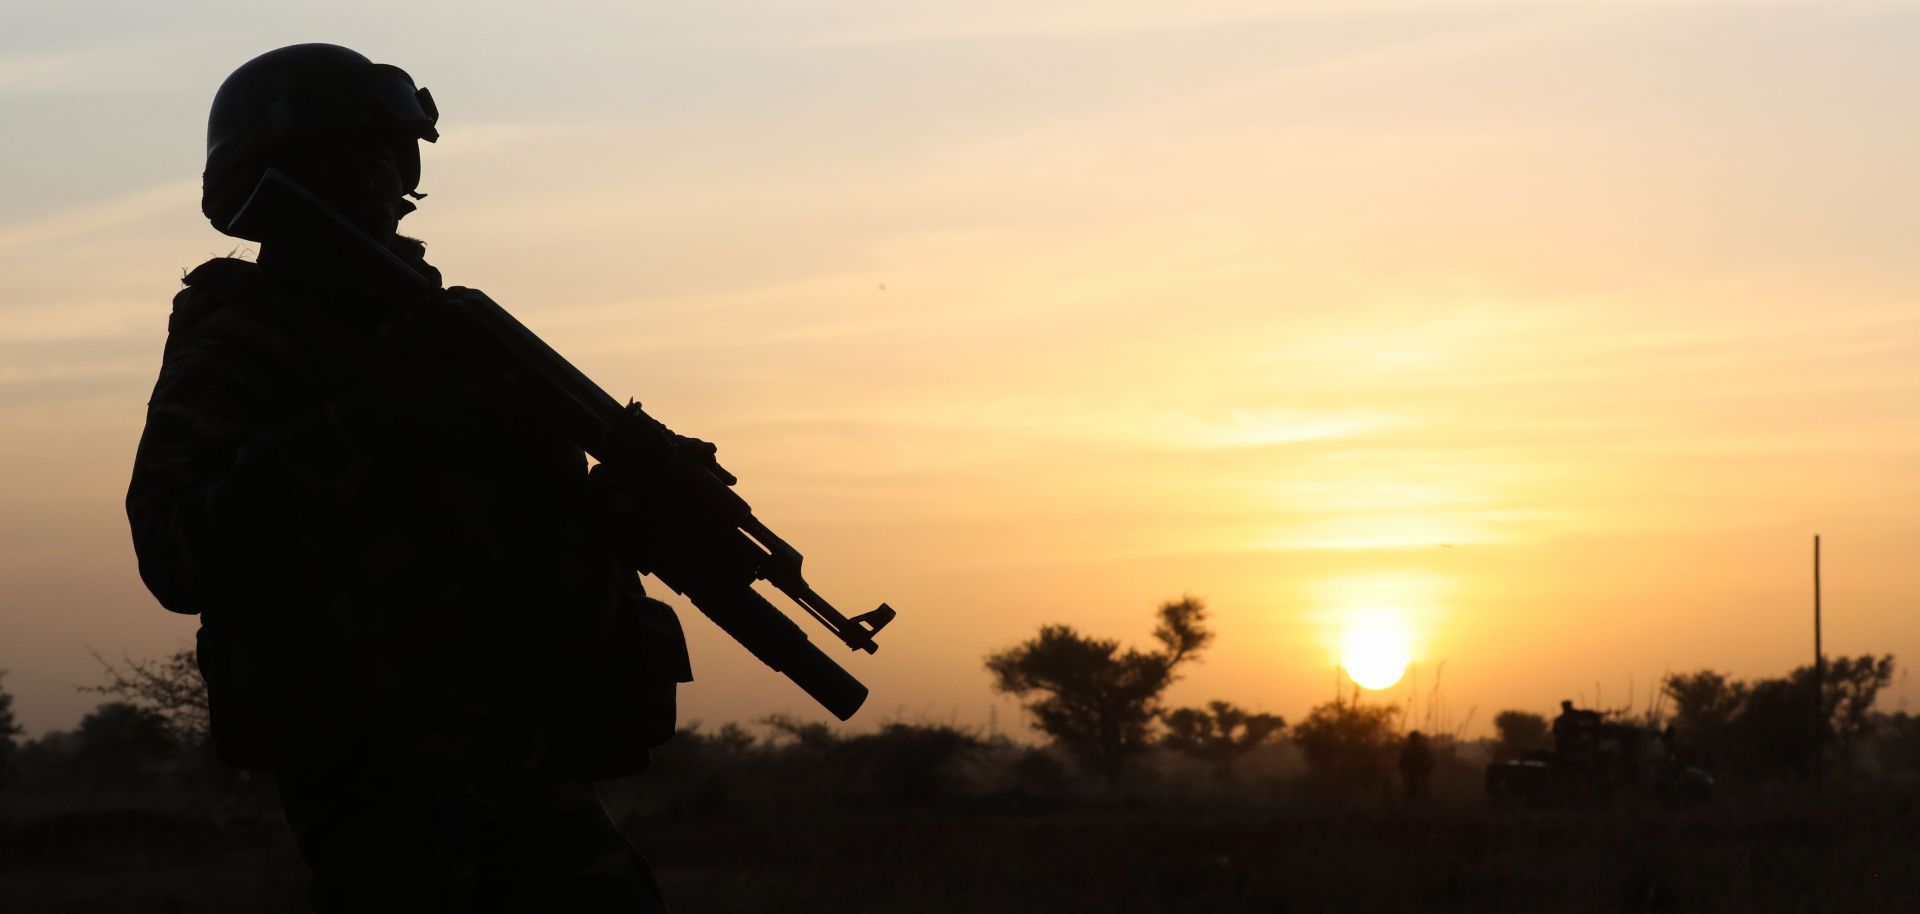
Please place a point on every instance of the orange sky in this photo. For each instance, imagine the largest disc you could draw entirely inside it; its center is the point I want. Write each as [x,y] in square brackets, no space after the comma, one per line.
[1555,332]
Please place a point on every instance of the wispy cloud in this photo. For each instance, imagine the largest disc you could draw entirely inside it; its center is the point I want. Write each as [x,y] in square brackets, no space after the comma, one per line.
[861,25]
[116,65]
[99,216]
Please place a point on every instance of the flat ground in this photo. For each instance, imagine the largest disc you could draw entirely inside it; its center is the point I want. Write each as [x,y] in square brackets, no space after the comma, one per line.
[1806,858]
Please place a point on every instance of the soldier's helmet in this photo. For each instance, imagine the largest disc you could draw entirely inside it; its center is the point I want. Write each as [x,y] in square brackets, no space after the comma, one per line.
[305,90]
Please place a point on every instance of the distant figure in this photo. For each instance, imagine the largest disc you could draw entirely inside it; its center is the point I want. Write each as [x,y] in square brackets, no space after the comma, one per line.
[414,609]
[1575,731]
[1416,765]
[1563,727]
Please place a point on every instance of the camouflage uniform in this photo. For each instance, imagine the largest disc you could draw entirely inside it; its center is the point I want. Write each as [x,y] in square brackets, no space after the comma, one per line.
[410,608]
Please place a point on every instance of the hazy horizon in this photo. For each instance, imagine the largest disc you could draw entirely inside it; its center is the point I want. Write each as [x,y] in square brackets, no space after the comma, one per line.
[1552,335]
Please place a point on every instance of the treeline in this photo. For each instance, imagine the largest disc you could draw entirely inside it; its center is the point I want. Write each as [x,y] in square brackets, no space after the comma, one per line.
[146,745]
[1772,728]
[778,767]
[129,751]
[1108,737]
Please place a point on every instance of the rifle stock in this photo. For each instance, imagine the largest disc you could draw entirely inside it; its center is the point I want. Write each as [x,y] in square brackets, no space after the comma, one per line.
[704,541]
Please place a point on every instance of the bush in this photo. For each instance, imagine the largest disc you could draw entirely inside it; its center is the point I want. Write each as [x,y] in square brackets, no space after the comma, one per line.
[1348,746]
[122,745]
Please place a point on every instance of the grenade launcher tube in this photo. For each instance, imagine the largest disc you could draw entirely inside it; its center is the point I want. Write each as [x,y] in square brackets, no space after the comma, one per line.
[771,637]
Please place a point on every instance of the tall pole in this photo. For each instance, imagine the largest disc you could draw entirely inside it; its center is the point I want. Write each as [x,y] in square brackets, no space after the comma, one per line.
[1819,670]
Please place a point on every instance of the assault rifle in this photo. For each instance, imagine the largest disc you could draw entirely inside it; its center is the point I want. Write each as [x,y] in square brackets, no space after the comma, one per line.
[703,540]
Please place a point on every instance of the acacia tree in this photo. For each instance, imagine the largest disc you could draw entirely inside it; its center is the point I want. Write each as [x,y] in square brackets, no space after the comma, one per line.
[1095,699]
[170,687]
[1852,686]
[1218,734]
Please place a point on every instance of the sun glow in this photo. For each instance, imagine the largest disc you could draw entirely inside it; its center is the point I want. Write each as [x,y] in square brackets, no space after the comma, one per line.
[1375,649]
[1376,621]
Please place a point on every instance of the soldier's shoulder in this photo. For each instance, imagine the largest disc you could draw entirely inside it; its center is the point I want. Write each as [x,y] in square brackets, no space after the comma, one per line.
[215,292]
[221,270]
[227,310]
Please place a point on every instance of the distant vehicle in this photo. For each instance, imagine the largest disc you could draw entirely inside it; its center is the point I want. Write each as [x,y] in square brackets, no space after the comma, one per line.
[1594,761]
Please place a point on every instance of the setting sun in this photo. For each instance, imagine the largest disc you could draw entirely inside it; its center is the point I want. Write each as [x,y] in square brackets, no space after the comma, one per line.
[1375,652]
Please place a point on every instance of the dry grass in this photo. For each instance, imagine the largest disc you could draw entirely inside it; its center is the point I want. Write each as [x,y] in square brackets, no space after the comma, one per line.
[1788,857]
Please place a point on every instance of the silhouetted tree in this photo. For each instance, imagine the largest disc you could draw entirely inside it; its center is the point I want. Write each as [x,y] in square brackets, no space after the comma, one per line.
[1853,684]
[170,686]
[730,739]
[1218,734]
[1773,734]
[1707,709]
[9,728]
[810,735]
[1768,727]
[120,744]
[1096,700]
[1520,732]
[1704,699]
[1347,744]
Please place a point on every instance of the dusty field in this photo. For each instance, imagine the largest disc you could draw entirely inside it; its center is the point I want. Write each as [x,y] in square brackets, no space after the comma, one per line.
[1469,860]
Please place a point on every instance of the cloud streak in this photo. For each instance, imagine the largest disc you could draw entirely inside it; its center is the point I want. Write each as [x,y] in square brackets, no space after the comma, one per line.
[116,65]
[94,218]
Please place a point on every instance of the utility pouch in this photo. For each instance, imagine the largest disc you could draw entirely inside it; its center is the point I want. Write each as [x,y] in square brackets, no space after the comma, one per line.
[627,705]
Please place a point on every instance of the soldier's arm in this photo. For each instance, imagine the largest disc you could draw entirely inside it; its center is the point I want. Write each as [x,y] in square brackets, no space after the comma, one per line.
[229,485]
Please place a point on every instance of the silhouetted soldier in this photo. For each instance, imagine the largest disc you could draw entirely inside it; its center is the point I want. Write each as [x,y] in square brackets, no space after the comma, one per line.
[1574,731]
[1416,765]
[411,608]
